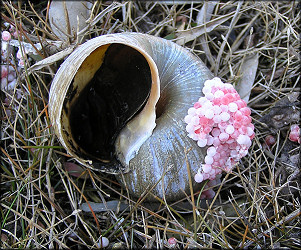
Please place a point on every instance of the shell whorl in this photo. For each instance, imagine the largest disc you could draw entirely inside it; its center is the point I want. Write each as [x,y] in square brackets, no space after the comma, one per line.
[181,76]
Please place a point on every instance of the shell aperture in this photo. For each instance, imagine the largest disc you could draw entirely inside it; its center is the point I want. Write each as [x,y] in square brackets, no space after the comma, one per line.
[118,90]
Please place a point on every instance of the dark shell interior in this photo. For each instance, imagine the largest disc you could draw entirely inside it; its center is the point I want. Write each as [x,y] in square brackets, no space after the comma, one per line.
[118,91]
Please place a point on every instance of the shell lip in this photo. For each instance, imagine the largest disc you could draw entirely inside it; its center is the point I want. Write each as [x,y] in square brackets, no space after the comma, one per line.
[60,88]
[90,108]
[112,167]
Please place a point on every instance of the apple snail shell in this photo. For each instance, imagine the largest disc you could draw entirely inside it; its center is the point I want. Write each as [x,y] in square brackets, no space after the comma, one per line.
[117,104]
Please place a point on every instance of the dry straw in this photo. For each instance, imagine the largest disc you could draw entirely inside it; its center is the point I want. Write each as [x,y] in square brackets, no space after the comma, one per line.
[253,45]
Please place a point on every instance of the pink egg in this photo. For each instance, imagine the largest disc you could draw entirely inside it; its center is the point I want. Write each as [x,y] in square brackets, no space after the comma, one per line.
[4,71]
[6,36]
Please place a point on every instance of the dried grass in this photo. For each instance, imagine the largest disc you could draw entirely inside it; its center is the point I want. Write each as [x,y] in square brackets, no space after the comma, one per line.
[257,205]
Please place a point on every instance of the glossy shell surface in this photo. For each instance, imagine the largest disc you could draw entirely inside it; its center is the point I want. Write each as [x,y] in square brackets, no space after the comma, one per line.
[160,162]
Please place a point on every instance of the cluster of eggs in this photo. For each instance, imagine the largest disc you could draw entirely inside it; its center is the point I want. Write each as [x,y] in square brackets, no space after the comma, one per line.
[221,121]
[8,69]
[12,60]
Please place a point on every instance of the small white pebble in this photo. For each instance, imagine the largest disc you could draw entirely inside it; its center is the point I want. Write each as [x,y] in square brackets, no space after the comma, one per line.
[3,82]
[4,71]
[8,85]
[10,77]
[103,242]
[11,69]
[4,46]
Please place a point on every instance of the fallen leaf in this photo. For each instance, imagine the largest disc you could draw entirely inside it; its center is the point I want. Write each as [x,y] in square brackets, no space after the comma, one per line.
[75,170]
[51,59]
[248,73]
[205,13]
[190,34]
[204,16]
[113,205]
[278,73]
[181,27]
[285,111]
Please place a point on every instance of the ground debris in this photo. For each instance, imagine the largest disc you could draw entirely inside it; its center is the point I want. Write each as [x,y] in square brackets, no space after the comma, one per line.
[285,111]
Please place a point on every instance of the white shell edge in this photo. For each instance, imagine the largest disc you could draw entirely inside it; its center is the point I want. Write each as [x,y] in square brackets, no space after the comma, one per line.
[139,129]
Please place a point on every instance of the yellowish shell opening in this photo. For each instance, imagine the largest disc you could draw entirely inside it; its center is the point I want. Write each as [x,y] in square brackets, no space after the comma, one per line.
[135,131]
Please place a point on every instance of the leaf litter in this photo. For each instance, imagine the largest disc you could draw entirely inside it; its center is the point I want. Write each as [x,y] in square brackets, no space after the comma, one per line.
[253,45]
